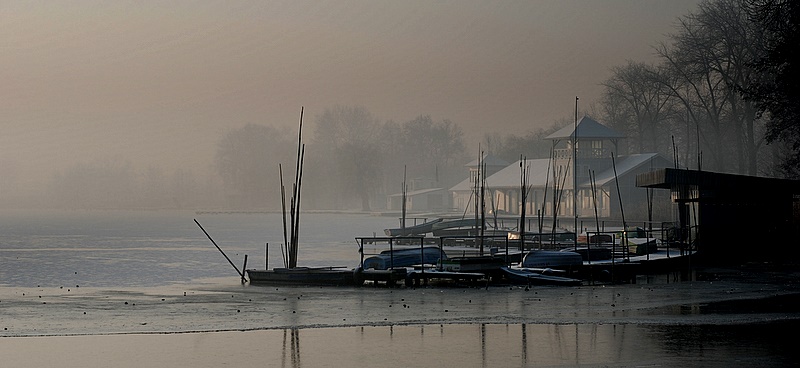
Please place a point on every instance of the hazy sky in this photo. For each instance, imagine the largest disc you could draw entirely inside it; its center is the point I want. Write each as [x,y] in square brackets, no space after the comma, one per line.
[160,82]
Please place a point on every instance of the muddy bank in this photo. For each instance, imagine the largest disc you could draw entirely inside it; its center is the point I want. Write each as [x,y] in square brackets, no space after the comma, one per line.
[716,296]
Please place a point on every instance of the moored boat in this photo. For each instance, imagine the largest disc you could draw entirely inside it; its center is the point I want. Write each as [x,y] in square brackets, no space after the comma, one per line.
[405,257]
[305,276]
[526,277]
[552,259]
[472,264]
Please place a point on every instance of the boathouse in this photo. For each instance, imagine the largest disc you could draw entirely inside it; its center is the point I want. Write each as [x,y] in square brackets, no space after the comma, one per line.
[463,193]
[733,218]
[596,165]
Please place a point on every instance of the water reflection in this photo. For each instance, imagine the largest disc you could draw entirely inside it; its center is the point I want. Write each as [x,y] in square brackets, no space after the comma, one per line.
[492,345]
[293,350]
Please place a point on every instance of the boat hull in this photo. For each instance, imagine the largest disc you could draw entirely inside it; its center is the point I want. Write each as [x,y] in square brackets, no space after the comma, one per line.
[518,276]
[304,276]
[404,258]
[552,259]
[472,264]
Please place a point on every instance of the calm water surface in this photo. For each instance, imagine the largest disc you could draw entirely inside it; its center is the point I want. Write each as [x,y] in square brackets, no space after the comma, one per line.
[150,248]
[51,251]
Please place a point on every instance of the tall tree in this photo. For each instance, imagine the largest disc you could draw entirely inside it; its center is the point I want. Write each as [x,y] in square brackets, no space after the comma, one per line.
[709,61]
[429,148]
[349,155]
[776,89]
[647,102]
[247,161]
[531,145]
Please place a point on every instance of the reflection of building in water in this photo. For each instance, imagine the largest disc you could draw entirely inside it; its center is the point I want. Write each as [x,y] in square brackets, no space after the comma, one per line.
[495,345]
[632,342]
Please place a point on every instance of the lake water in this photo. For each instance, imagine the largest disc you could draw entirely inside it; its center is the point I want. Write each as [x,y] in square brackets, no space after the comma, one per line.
[114,288]
[151,248]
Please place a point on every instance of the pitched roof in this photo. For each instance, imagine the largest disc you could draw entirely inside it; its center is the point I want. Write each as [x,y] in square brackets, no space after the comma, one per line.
[624,165]
[587,128]
[539,174]
[509,176]
[416,192]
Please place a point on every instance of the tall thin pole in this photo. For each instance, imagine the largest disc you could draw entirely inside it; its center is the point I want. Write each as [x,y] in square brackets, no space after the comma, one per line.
[544,196]
[482,230]
[621,209]
[219,249]
[523,168]
[575,172]
[403,207]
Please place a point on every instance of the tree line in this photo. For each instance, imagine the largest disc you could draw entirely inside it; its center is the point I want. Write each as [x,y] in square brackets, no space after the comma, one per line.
[115,183]
[722,95]
[353,159]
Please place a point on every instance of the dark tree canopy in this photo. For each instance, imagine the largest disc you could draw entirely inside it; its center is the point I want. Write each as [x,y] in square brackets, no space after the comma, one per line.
[776,91]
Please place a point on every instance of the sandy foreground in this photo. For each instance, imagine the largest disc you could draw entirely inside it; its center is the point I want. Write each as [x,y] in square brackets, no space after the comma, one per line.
[223,323]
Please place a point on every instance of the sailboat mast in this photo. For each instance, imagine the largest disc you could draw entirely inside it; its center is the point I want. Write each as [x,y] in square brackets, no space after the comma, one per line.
[403,207]
[575,172]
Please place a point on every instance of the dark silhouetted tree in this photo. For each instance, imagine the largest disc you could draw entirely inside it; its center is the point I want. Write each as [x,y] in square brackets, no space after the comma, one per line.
[776,88]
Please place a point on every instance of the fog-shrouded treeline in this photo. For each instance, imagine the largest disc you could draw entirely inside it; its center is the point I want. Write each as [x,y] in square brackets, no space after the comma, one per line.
[351,159]
[719,97]
[697,105]
[115,183]
[701,104]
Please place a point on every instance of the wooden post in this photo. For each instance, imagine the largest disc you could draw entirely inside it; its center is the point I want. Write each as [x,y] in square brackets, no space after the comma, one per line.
[244,267]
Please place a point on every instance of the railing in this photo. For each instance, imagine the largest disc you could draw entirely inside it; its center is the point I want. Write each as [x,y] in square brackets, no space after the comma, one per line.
[394,244]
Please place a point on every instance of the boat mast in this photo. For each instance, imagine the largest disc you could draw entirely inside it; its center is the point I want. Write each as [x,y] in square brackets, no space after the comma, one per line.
[523,167]
[574,172]
[404,188]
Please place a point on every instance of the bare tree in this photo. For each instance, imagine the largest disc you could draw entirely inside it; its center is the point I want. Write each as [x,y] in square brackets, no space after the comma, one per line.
[708,63]
[346,155]
[647,106]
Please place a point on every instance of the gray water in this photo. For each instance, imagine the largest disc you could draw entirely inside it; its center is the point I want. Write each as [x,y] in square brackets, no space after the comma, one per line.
[118,273]
[152,248]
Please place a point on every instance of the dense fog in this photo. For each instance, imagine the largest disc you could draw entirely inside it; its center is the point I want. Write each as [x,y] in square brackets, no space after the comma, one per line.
[195,105]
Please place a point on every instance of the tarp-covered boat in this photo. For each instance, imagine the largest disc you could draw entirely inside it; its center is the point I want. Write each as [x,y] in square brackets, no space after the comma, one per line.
[552,259]
[520,276]
[405,257]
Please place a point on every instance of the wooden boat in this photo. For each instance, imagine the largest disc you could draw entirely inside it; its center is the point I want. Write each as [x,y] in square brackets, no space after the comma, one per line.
[594,253]
[661,261]
[305,276]
[414,277]
[522,276]
[552,259]
[405,257]
[472,264]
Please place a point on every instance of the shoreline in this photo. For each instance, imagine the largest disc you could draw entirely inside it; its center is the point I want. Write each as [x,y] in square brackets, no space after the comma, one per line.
[732,319]
[220,305]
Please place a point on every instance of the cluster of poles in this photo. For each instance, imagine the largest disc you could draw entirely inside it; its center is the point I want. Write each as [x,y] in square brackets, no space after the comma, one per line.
[291,226]
[290,235]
